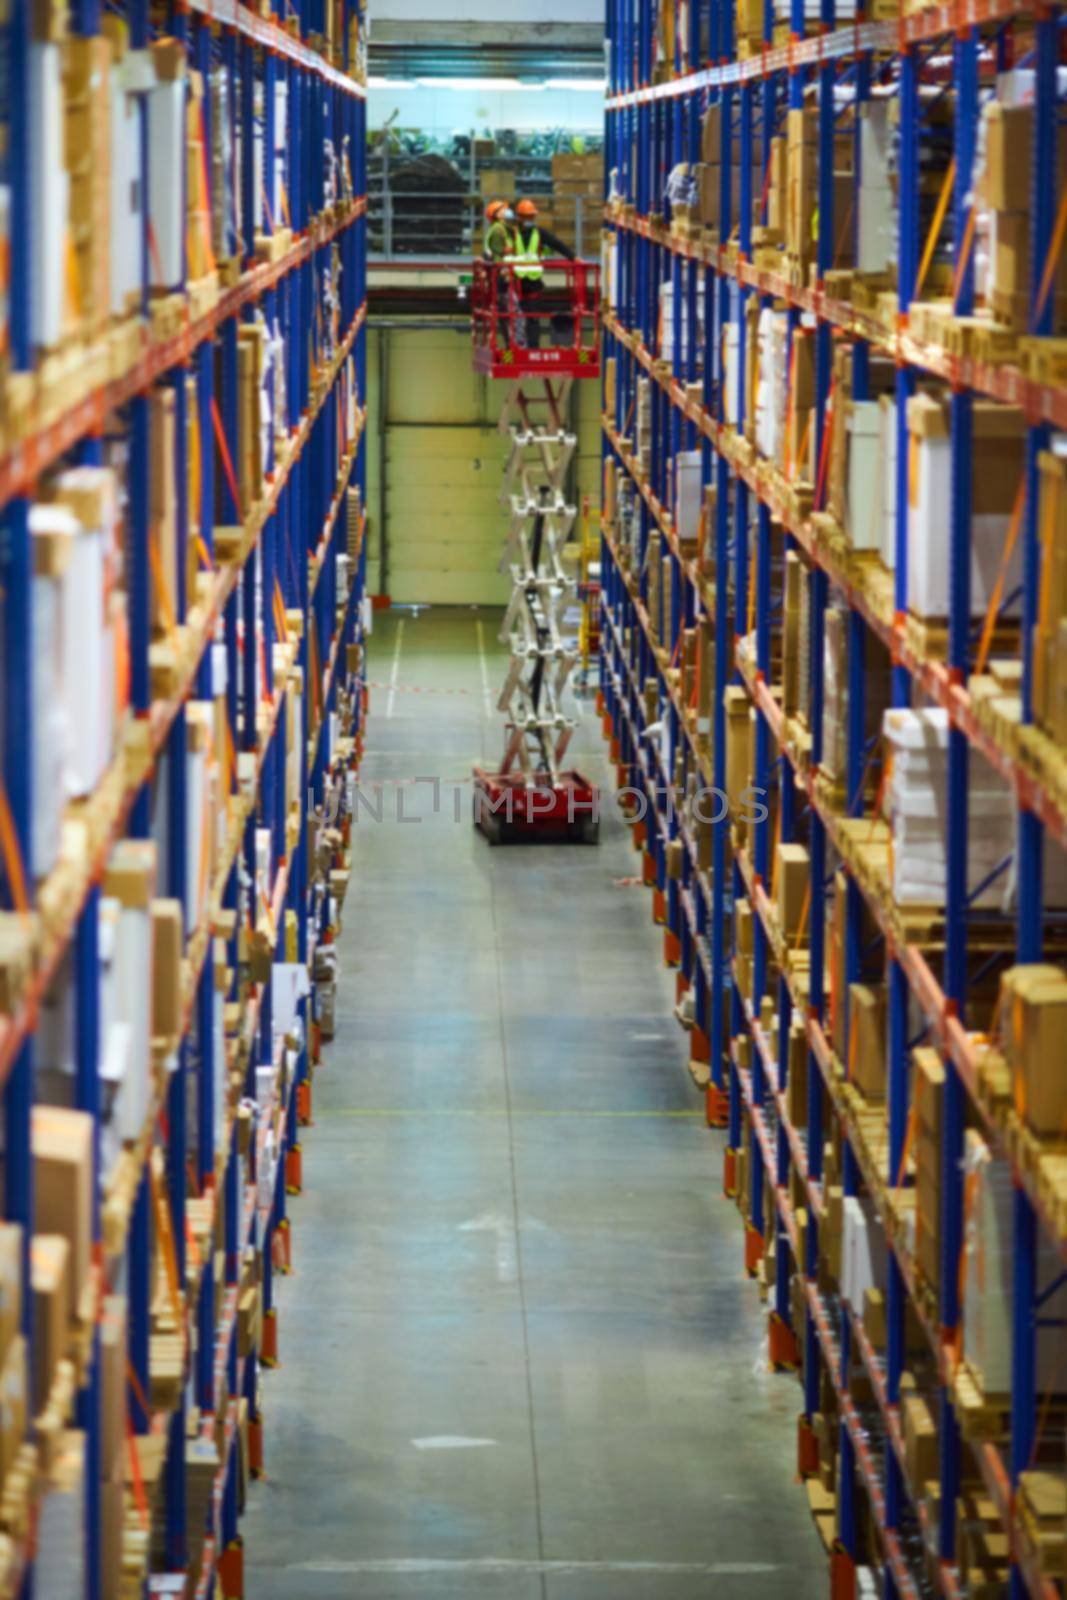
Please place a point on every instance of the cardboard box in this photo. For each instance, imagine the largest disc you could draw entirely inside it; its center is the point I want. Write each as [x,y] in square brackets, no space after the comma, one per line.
[10,1283]
[711,135]
[867,1039]
[50,1273]
[875,1324]
[113,1388]
[130,877]
[921,1453]
[87,132]
[568,167]
[1009,141]
[1033,1011]
[163,509]
[168,947]
[63,1174]
[497,183]
[997,471]
[793,891]
[928,1088]
[14,1403]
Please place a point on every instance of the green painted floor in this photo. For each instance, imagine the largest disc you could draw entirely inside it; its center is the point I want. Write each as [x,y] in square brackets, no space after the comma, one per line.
[519,1357]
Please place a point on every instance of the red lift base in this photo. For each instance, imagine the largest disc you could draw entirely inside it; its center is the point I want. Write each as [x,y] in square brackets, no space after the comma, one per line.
[507,811]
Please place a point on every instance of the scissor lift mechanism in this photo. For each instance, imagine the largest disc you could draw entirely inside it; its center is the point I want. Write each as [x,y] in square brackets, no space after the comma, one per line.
[533,795]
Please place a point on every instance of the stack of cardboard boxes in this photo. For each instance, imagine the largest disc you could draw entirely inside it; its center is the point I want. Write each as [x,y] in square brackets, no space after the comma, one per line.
[802,162]
[917,806]
[708,175]
[1033,1025]
[578,192]
[997,472]
[87,140]
[1049,661]
[989,1245]
[1005,188]
[80,658]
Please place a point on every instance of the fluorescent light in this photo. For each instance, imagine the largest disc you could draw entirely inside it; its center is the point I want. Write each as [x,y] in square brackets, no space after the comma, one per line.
[488,84]
[579,85]
[390,83]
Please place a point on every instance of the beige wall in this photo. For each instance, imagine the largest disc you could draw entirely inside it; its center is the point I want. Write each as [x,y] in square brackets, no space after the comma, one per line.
[442,460]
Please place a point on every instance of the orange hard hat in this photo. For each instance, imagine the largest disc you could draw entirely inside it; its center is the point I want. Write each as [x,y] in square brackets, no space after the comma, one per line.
[526,208]
[495,208]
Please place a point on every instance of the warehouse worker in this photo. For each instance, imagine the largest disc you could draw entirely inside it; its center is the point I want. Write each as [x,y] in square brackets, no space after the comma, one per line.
[536,244]
[500,246]
[501,238]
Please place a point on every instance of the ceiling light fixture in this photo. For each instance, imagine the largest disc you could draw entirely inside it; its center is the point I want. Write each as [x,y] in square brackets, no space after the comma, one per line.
[389,83]
[579,85]
[490,85]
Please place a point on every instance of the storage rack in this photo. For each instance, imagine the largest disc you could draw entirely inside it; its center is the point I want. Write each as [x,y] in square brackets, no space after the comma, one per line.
[699,871]
[260,615]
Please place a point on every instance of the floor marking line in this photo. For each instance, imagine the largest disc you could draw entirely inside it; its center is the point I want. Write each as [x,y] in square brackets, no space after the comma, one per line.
[451,1441]
[395,671]
[417,1566]
[487,693]
[460,1111]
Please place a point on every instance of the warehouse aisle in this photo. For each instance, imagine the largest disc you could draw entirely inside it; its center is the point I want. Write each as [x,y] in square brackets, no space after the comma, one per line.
[519,1358]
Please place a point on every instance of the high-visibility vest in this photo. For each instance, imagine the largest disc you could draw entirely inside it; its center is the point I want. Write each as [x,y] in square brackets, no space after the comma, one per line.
[499,241]
[527,261]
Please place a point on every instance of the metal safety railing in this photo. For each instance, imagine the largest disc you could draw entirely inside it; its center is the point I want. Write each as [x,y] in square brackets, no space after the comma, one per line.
[552,320]
[439,226]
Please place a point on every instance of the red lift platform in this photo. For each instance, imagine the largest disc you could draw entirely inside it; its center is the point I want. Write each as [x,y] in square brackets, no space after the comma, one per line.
[541,339]
[554,332]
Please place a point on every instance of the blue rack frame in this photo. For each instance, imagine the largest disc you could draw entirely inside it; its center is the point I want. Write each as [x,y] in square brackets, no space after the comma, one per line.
[293,535]
[653,119]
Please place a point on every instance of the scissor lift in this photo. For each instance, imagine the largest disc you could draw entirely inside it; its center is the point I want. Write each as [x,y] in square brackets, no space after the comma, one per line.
[532,795]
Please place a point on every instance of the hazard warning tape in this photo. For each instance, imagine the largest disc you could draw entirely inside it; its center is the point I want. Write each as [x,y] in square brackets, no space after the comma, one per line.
[417,688]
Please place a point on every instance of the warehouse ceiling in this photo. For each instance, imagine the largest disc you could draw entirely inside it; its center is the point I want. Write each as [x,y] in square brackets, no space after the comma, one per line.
[533,50]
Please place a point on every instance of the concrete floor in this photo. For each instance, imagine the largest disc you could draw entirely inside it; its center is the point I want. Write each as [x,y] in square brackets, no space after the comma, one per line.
[519,1357]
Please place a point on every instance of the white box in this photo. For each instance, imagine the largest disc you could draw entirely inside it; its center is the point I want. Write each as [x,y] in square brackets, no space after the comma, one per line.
[131,76]
[929,510]
[875,199]
[888,447]
[688,494]
[60,528]
[863,1257]
[731,373]
[866,467]
[989,1246]
[132,974]
[771,385]
[49,195]
[85,670]
[264,879]
[917,806]
[166,181]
